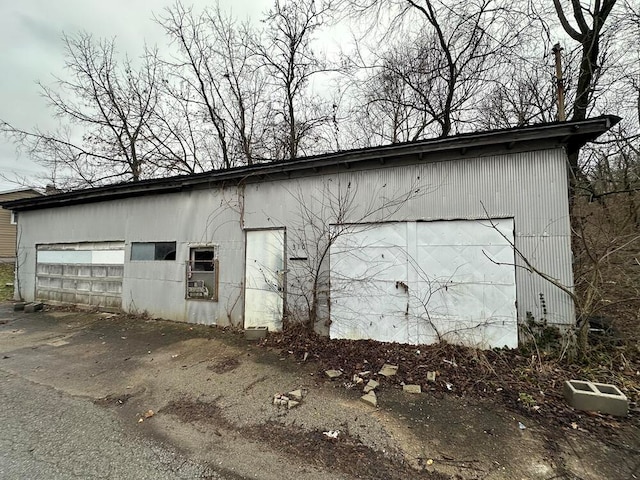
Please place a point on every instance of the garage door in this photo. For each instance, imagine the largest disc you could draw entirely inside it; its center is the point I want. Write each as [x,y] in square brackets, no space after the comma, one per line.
[81,273]
[422,282]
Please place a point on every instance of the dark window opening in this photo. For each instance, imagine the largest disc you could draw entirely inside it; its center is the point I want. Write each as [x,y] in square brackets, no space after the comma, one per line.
[153,251]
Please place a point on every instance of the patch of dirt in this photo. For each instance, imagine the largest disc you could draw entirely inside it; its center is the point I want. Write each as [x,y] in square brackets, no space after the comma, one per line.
[113,400]
[188,410]
[527,384]
[224,365]
[344,453]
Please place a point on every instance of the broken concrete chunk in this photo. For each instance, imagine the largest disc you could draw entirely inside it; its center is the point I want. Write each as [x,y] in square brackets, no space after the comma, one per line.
[412,388]
[295,395]
[388,370]
[292,404]
[19,306]
[333,373]
[431,376]
[33,307]
[370,386]
[370,398]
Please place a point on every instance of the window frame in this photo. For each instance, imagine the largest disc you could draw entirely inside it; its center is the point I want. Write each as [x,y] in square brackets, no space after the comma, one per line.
[191,273]
[156,250]
[14,218]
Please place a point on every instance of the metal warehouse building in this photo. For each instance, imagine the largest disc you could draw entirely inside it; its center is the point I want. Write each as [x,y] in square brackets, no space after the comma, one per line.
[414,242]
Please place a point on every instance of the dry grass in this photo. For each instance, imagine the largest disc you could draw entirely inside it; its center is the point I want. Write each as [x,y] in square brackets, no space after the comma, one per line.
[6,276]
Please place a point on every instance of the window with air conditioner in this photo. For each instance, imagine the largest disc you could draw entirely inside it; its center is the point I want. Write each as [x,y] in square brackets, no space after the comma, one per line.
[202,274]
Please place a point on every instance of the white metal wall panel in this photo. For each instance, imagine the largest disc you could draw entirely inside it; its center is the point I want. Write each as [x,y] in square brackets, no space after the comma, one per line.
[424,282]
[366,263]
[264,279]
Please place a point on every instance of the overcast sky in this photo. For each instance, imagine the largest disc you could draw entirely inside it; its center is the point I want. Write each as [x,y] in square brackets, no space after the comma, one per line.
[31,50]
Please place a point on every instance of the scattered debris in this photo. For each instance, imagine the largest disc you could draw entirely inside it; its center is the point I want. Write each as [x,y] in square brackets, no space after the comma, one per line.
[331,433]
[370,398]
[357,379]
[255,333]
[450,362]
[33,307]
[370,386]
[431,376]
[19,306]
[521,426]
[290,400]
[333,373]
[388,370]
[449,386]
[296,395]
[149,414]
[430,462]
[306,355]
[412,388]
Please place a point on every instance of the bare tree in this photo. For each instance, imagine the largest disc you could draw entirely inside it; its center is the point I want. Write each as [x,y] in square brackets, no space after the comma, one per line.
[286,52]
[104,105]
[448,61]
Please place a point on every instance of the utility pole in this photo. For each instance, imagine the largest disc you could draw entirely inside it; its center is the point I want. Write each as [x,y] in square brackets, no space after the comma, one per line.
[557,49]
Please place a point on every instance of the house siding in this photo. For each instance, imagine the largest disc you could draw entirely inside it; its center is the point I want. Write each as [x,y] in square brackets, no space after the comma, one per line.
[8,231]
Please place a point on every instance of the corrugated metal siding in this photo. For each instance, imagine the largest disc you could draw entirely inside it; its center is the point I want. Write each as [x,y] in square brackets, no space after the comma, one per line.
[155,286]
[531,187]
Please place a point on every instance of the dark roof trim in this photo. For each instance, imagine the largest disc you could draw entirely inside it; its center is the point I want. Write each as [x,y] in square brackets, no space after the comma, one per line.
[571,134]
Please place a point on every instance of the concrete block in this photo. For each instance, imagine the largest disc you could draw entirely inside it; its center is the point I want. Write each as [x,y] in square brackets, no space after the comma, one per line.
[292,404]
[255,333]
[19,306]
[295,395]
[388,370]
[370,398]
[596,397]
[33,307]
[412,388]
[371,385]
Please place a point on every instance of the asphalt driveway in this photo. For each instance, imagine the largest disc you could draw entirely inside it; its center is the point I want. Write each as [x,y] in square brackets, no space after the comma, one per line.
[189,401]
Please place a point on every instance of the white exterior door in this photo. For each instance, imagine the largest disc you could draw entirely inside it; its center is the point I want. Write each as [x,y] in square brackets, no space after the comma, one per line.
[421,282]
[264,279]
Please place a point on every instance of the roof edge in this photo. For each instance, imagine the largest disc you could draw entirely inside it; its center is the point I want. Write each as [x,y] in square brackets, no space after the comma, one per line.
[571,134]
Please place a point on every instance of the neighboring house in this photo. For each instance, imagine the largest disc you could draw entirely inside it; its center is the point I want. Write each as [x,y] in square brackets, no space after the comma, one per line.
[9,221]
[414,242]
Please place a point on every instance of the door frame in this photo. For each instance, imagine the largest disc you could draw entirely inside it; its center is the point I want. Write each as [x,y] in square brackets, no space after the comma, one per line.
[283,292]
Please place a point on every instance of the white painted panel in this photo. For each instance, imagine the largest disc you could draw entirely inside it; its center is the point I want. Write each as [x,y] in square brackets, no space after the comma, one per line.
[64,256]
[366,299]
[448,280]
[264,279]
[107,257]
